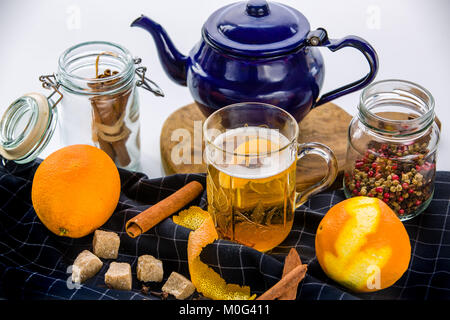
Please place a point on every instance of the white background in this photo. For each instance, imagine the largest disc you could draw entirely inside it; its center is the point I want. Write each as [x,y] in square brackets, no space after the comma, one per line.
[410,36]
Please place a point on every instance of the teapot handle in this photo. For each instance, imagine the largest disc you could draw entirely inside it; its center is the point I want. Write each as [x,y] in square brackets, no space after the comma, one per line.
[319,38]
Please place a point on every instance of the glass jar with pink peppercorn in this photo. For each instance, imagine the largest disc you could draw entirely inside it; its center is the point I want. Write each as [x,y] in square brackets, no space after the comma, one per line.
[392,144]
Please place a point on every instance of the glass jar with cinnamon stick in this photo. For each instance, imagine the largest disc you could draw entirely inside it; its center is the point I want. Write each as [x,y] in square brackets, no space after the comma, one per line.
[94,99]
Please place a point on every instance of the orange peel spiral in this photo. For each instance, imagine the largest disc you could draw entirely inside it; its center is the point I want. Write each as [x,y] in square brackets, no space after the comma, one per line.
[204,278]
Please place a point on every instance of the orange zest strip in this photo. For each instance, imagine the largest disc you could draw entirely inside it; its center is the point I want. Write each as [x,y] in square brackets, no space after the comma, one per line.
[204,278]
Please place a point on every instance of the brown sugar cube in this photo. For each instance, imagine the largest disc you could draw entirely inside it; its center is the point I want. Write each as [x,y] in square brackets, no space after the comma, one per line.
[106,244]
[85,266]
[149,269]
[118,276]
[178,286]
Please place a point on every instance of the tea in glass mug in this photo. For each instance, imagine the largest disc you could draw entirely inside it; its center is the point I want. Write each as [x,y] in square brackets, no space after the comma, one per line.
[251,154]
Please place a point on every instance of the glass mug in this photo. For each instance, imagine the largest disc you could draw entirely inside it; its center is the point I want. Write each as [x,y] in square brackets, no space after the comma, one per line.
[251,154]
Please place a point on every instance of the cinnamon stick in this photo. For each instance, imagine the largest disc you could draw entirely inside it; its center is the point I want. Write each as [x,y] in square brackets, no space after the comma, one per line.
[292,260]
[106,110]
[286,283]
[104,145]
[109,111]
[147,219]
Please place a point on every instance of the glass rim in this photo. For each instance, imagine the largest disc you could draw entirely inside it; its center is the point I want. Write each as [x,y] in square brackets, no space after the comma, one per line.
[426,118]
[123,54]
[209,141]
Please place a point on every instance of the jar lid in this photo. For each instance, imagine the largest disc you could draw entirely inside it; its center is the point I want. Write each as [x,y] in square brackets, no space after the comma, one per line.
[256,28]
[26,127]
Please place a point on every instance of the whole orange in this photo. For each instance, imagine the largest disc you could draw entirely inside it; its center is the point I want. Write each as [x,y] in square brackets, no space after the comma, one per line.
[75,190]
[361,244]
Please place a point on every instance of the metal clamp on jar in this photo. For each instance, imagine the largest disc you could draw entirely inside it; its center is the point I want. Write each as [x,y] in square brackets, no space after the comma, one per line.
[98,105]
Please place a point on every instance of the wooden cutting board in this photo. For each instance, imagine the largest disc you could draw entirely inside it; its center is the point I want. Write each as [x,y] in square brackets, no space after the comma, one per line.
[327,124]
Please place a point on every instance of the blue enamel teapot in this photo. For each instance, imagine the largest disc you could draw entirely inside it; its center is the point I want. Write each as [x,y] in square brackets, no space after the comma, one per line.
[257,51]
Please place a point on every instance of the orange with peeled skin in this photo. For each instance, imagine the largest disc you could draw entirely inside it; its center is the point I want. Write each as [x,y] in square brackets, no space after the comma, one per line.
[361,244]
[75,190]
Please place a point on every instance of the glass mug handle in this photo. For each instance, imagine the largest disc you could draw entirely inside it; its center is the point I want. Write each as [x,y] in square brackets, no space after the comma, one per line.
[304,149]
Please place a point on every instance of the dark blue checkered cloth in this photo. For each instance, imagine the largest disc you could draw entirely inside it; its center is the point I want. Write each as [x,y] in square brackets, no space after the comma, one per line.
[35,263]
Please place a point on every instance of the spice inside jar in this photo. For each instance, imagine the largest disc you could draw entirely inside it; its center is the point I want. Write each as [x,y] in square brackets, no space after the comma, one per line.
[108,128]
[400,175]
[392,147]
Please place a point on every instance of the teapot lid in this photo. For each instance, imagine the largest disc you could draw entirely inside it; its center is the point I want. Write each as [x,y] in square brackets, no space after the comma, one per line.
[256,28]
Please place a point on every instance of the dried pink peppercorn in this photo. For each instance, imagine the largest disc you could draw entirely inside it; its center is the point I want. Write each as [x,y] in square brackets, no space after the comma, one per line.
[400,175]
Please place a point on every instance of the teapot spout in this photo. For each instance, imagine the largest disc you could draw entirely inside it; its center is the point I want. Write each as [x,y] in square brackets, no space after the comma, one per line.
[173,62]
